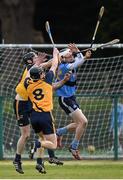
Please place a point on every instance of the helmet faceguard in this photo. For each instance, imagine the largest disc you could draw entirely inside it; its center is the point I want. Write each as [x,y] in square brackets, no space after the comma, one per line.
[29,56]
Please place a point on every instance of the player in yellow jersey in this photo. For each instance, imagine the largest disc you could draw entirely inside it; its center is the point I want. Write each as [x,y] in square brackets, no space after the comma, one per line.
[33,148]
[39,89]
[22,107]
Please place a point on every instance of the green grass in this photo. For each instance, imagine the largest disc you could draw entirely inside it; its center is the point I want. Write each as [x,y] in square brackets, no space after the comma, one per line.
[92,169]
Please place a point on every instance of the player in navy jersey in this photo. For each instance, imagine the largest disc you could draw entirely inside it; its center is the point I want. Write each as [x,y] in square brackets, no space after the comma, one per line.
[67,100]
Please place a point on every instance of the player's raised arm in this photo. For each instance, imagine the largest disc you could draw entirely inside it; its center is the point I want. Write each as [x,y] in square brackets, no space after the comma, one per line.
[47,64]
[78,58]
[40,58]
[55,60]
[59,84]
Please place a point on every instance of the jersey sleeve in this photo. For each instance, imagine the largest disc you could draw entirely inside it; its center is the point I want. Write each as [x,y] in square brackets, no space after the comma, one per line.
[79,60]
[49,77]
[26,82]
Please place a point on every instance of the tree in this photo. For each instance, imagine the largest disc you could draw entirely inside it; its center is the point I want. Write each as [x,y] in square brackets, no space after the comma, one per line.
[17,21]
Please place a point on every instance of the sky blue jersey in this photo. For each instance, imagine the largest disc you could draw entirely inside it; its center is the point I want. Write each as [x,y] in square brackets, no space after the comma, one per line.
[69,88]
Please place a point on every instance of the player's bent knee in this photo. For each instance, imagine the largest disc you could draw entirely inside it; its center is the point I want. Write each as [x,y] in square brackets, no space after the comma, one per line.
[26,135]
[54,146]
[83,122]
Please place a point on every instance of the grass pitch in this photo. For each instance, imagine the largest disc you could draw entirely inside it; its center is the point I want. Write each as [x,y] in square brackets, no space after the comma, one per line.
[84,169]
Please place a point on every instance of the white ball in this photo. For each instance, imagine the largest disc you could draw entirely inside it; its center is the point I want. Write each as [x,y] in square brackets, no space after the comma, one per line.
[91,149]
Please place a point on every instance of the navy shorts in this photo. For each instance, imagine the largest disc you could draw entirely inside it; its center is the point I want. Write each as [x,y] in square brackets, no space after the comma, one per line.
[68,104]
[42,122]
[22,112]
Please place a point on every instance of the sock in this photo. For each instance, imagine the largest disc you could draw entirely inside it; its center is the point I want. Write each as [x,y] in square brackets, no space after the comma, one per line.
[37,144]
[50,153]
[39,160]
[75,144]
[61,131]
[17,157]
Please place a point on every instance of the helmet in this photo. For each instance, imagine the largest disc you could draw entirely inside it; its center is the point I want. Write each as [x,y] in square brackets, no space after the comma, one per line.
[35,73]
[28,56]
[63,52]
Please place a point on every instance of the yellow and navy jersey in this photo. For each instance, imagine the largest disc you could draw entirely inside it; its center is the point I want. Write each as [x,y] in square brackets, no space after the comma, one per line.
[40,92]
[20,89]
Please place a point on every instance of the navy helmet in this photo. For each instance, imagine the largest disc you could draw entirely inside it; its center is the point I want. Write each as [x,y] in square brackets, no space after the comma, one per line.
[29,56]
[35,73]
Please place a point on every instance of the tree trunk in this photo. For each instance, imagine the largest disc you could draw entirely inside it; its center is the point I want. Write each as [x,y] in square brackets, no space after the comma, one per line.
[17,21]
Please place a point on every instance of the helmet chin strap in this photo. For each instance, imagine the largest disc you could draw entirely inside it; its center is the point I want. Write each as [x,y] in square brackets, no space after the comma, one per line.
[30,61]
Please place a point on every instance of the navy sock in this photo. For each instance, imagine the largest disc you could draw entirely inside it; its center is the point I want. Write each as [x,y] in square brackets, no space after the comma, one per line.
[39,160]
[50,153]
[17,157]
[37,144]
